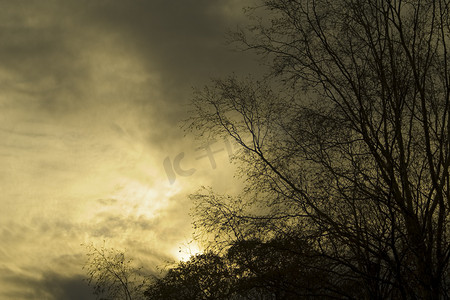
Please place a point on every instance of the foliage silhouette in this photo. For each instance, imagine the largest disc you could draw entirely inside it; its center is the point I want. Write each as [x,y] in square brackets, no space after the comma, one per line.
[250,269]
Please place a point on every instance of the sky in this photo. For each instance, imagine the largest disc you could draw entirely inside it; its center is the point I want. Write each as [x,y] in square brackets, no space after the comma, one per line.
[92,97]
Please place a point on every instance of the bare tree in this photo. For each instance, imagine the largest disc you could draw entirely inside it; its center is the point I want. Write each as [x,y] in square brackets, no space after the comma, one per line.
[349,138]
[112,276]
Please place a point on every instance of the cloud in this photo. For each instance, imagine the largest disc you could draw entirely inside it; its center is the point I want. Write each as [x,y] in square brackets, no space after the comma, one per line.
[183,41]
[65,288]
[39,62]
[48,285]
[91,96]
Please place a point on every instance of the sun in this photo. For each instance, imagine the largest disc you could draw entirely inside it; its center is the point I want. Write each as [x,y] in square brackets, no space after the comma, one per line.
[186,250]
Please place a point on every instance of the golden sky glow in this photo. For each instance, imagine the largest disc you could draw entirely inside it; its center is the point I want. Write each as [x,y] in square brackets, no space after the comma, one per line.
[91,97]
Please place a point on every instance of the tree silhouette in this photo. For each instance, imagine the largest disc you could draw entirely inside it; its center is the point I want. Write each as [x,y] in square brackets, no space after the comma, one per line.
[204,276]
[250,269]
[349,140]
[112,275]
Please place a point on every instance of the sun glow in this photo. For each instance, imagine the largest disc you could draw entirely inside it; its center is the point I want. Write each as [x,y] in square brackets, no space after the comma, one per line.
[186,250]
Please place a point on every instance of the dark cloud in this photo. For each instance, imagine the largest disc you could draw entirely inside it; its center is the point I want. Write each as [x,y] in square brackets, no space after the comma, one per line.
[184,41]
[65,288]
[49,285]
[38,51]
[45,49]
[106,202]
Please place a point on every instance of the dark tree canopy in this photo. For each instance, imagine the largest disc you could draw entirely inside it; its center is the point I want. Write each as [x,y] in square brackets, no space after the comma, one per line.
[251,269]
[204,276]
